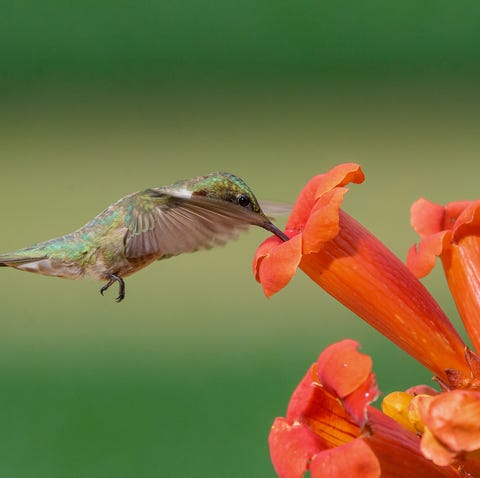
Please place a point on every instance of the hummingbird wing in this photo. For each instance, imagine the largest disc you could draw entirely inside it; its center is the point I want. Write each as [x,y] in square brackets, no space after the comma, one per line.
[167,225]
[274,209]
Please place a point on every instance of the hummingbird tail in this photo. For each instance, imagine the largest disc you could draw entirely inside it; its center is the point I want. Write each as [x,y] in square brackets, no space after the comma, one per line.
[9,261]
[31,264]
[40,265]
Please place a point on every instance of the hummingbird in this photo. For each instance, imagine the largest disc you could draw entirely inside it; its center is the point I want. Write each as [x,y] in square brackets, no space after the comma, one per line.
[147,226]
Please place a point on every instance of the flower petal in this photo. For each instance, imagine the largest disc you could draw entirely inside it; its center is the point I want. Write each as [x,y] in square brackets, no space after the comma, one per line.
[341,369]
[354,459]
[347,374]
[468,222]
[436,451]
[421,259]
[426,217]
[323,223]
[356,403]
[323,412]
[275,264]
[338,176]
[453,418]
[292,447]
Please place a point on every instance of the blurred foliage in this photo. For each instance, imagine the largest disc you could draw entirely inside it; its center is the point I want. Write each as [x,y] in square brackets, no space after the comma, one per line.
[100,99]
[151,41]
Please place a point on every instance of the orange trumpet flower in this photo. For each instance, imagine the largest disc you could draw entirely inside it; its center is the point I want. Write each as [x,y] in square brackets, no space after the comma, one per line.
[330,429]
[352,265]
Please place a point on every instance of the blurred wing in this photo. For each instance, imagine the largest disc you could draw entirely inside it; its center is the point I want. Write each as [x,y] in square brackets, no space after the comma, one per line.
[166,225]
[275,209]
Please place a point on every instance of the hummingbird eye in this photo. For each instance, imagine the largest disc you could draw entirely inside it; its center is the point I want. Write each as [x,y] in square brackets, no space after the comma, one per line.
[243,200]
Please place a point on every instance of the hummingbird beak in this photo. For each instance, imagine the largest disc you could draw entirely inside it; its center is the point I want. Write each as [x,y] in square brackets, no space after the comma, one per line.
[275,230]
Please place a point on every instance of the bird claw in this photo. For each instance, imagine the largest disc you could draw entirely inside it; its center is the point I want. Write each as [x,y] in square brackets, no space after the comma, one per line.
[121,285]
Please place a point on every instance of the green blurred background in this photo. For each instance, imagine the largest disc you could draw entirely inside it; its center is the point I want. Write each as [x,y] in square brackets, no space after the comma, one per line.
[99,99]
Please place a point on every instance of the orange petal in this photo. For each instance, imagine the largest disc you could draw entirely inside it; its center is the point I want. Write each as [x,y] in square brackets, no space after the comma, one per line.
[434,450]
[341,368]
[468,222]
[323,223]
[453,418]
[426,217]
[324,413]
[421,259]
[303,205]
[338,176]
[292,447]
[347,375]
[354,459]
[275,264]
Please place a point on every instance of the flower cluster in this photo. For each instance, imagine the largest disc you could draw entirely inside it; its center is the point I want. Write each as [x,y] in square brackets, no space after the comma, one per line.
[330,428]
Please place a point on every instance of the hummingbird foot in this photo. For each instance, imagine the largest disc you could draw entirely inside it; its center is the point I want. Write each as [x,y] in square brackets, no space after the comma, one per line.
[121,286]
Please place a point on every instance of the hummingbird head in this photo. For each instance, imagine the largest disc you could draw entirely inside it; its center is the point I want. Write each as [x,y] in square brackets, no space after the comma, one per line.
[226,187]
[232,189]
